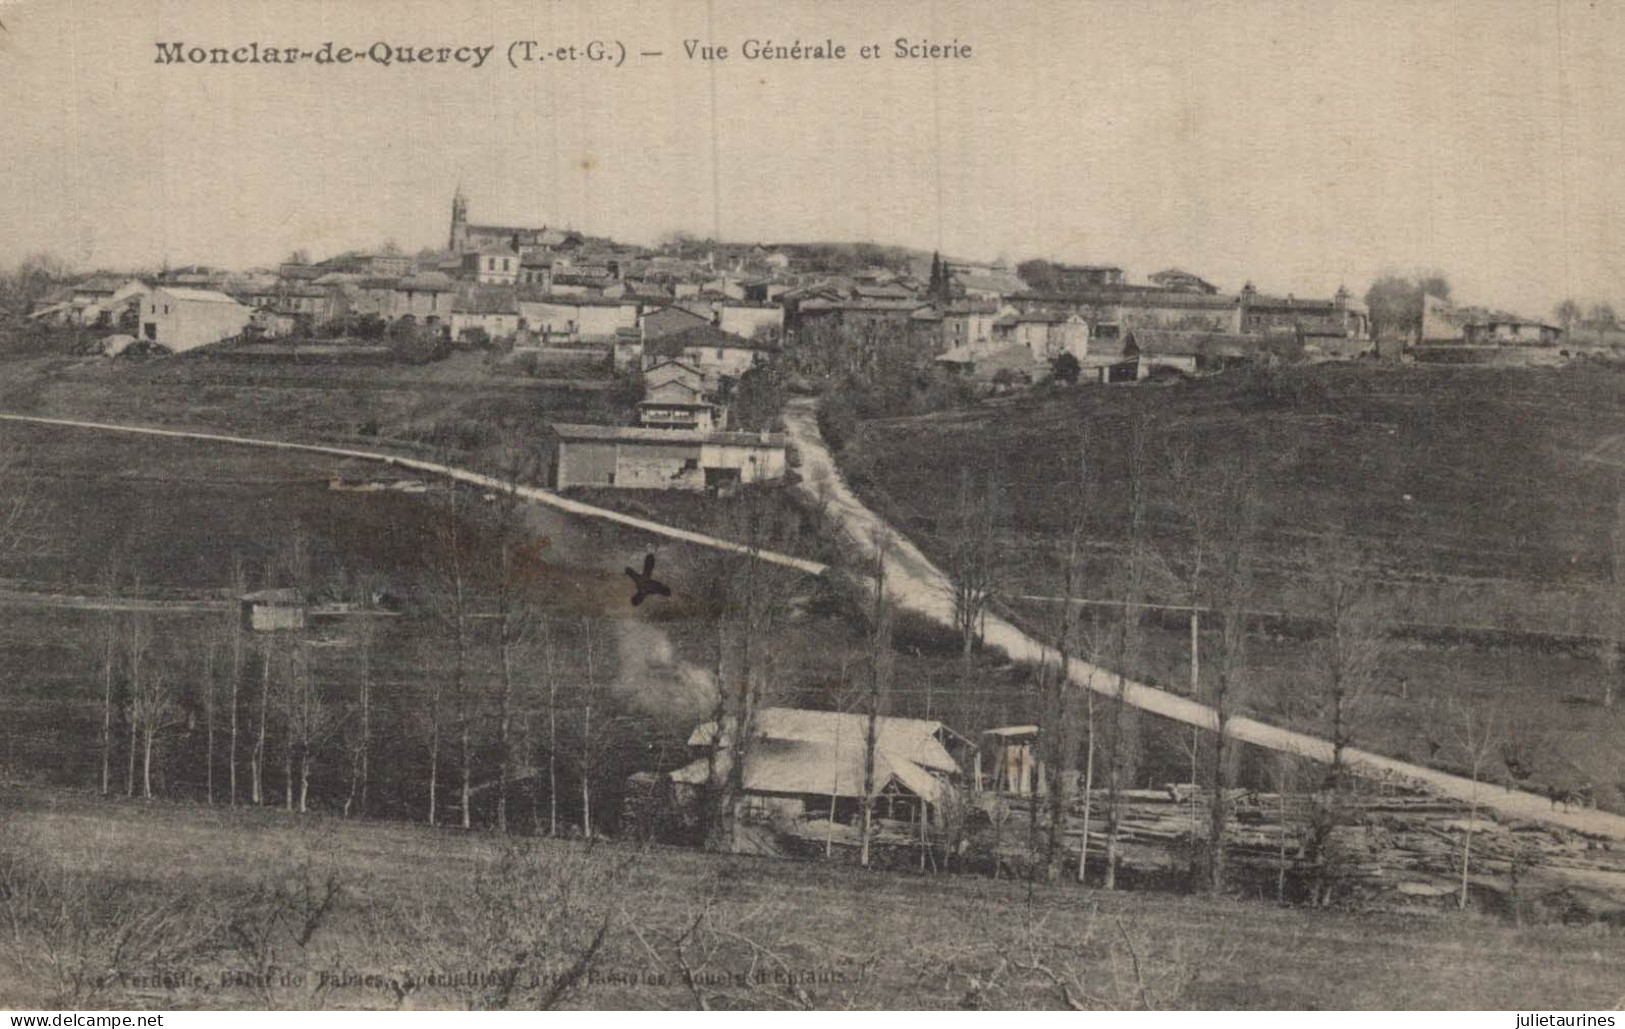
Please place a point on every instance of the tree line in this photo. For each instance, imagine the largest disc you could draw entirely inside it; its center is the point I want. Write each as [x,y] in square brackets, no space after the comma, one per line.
[480,702]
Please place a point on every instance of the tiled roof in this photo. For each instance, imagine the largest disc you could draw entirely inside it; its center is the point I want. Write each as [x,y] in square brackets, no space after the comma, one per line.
[427,282]
[533,293]
[487,300]
[1308,305]
[1132,296]
[1209,344]
[704,336]
[913,739]
[675,437]
[202,296]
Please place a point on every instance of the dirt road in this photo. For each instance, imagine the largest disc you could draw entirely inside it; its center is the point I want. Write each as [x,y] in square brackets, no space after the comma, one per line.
[487,482]
[919,586]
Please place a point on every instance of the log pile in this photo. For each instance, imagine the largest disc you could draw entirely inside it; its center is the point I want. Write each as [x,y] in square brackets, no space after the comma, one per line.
[1388,839]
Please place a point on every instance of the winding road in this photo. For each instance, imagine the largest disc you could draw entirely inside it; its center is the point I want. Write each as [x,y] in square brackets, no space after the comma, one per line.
[488,482]
[918,585]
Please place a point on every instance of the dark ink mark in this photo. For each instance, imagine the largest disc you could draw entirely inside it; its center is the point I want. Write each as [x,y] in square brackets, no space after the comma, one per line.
[647,585]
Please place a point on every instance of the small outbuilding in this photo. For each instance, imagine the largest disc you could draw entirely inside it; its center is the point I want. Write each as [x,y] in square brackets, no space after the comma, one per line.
[1009,759]
[637,457]
[275,610]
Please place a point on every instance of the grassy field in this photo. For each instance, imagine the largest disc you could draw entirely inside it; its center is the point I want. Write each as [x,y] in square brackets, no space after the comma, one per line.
[455,404]
[175,906]
[1488,497]
[1465,473]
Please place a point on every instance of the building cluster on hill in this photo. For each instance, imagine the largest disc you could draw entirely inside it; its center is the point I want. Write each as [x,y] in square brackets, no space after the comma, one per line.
[545,288]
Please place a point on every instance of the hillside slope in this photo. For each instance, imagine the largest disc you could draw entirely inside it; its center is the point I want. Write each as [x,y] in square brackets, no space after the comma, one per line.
[1496,473]
[1487,498]
[414,912]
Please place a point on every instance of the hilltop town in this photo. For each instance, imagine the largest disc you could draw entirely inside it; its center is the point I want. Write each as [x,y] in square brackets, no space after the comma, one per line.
[691,317]
[1031,570]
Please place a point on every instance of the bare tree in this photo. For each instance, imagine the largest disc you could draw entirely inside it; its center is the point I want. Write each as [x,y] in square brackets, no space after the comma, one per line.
[1349,655]
[358,725]
[589,703]
[750,598]
[138,643]
[154,709]
[292,566]
[550,682]
[1285,773]
[1475,730]
[1096,636]
[1125,649]
[1232,586]
[1567,312]
[210,647]
[880,671]
[310,723]
[288,704]
[1060,734]
[239,587]
[450,598]
[256,756]
[517,559]
[110,666]
[1616,601]
[1191,499]
[1336,695]
[22,513]
[975,563]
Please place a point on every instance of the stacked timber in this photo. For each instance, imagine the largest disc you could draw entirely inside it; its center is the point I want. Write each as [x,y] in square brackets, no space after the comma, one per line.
[1394,839]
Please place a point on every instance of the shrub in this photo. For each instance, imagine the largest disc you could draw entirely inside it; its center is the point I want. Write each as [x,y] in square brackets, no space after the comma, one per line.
[1066,368]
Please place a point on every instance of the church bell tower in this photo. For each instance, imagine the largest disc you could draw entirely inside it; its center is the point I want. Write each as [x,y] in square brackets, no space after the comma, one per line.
[459,221]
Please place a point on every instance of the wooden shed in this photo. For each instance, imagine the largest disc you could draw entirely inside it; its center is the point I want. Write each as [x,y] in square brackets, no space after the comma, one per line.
[275,610]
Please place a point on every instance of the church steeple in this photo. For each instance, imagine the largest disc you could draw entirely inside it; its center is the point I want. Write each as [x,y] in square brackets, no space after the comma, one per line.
[459,220]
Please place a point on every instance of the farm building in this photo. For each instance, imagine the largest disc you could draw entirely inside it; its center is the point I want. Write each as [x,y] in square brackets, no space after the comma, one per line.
[986,362]
[717,354]
[635,457]
[674,398]
[750,320]
[101,300]
[1339,317]
[812,762]
[1201,352]
[593,319]
[182,319]
[490,309]
[274,610]
[1512,332]
[1045,334]
[1108,361]
[1009,759]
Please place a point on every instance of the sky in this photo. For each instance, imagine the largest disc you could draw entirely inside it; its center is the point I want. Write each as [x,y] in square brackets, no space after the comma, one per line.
[1299,146]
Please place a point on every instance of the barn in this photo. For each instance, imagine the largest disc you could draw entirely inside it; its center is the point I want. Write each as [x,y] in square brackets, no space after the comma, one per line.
[638,457]
[805,762]
[183,319]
